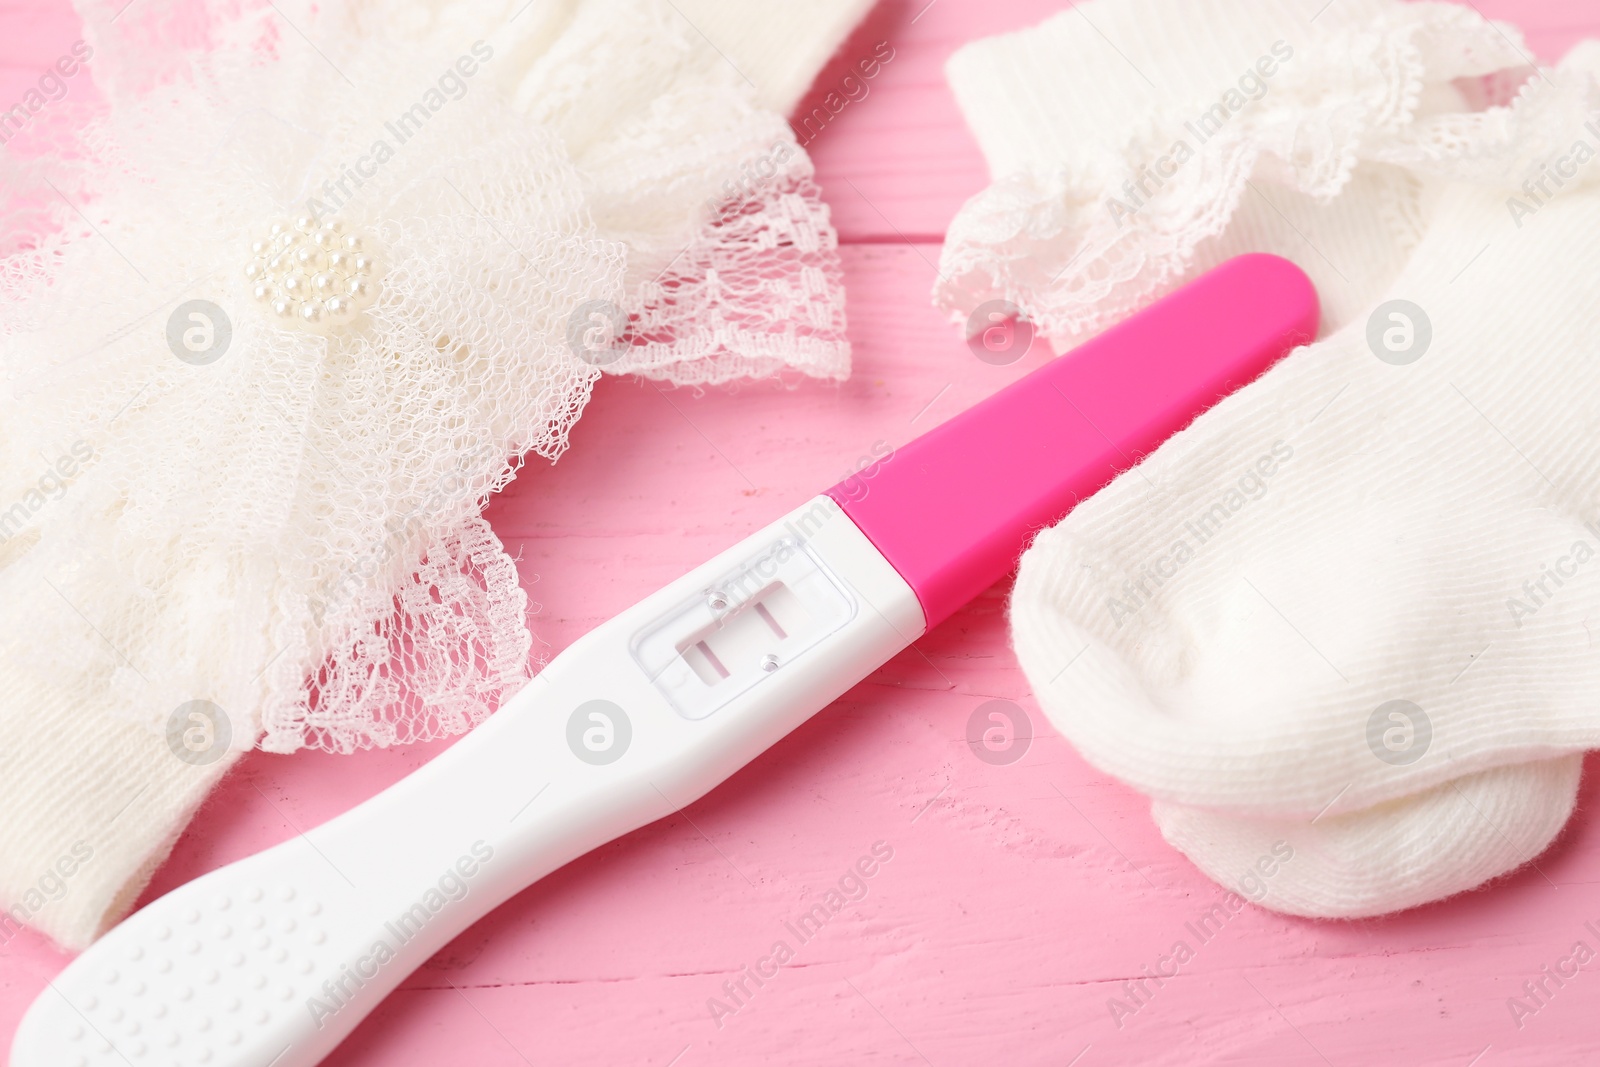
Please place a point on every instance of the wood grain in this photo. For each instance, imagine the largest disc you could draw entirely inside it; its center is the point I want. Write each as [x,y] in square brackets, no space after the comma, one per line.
[1020,899]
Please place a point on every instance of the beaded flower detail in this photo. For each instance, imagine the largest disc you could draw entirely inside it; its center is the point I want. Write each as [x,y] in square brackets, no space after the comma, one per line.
[314,274]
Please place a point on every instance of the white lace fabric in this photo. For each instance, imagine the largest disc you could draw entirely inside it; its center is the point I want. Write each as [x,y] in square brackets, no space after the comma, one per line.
[292,530]
[1376,654]
[673,115]
[1371,93]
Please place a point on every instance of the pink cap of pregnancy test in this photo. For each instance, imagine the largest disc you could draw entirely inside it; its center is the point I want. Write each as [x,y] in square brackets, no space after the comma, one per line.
[953,510]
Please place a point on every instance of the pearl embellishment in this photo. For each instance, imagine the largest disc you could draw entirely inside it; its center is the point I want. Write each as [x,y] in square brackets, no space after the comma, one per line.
[312,274]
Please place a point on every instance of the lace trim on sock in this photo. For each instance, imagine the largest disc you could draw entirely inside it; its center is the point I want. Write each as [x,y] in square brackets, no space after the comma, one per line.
[1052,245]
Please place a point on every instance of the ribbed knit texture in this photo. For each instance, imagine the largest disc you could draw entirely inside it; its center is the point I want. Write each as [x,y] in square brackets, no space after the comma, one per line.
[1354,606]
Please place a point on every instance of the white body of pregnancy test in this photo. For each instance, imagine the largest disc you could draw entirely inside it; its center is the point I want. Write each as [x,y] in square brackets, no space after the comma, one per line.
[272,961]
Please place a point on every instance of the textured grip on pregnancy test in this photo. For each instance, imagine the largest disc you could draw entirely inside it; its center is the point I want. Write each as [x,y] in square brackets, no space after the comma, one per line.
[953,510]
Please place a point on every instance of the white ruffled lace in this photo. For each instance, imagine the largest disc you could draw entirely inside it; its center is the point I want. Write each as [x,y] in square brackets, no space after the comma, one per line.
[294,531]
[1377,87]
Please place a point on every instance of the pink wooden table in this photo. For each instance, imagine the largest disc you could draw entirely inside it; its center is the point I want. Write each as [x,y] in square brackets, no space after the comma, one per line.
[1019,898]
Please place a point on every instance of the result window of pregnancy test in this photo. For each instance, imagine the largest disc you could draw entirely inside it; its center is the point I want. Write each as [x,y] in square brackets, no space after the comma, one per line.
[749,625]
[753,631]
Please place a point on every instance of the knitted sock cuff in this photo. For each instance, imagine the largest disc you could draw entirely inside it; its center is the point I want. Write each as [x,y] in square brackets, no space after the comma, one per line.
[91,808]
[778,47]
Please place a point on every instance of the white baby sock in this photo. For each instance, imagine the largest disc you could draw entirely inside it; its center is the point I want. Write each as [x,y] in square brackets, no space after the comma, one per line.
[1354,607]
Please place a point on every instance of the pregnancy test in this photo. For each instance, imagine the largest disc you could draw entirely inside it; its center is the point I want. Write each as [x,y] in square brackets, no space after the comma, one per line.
[272,961]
